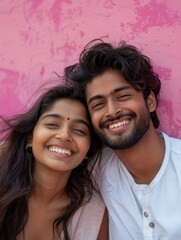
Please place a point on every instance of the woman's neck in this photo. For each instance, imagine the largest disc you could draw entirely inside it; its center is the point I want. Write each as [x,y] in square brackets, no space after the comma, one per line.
[50,187]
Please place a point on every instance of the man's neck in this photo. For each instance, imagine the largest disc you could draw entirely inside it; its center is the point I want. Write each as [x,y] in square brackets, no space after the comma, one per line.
[144,160]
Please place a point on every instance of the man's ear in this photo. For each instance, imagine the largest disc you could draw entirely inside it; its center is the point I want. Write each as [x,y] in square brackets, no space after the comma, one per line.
[151,102]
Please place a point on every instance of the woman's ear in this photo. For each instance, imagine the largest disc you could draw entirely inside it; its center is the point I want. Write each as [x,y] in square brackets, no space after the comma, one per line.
[29,141]
[151,102]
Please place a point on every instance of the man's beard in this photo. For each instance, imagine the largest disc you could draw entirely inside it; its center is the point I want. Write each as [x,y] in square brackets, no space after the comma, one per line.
[123,141]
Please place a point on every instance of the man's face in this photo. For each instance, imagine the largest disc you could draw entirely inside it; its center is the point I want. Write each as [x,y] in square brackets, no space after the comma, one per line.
[119,113]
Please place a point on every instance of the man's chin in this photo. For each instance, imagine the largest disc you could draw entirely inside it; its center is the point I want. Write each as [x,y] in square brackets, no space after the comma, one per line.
[116,142]
[113,143]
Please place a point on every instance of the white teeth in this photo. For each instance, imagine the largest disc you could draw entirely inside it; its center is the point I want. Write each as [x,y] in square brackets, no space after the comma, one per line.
[60,150]
[115,125]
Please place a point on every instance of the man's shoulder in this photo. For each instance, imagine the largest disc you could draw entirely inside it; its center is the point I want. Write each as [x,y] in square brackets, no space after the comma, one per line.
[107,153]
[108,159]
[173,143]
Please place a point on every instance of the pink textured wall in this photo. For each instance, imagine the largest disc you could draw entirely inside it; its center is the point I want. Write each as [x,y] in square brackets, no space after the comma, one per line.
[38,37]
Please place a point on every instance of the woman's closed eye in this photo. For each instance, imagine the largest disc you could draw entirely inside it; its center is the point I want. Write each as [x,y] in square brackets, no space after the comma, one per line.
[51,125]
[79,131]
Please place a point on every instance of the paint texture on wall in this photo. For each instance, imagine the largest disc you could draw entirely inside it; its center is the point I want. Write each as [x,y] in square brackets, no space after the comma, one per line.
[41,37]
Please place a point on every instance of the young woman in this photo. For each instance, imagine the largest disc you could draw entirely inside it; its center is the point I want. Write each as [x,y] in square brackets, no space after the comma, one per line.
[46,162]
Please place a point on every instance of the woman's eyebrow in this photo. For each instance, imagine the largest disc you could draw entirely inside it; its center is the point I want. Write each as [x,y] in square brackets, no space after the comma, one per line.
[54,115]
[59,116]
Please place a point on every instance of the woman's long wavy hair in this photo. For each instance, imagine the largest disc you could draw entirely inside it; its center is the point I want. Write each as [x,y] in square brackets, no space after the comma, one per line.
[17,165]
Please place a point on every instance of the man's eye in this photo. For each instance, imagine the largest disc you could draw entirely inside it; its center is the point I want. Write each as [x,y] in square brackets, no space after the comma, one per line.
[97,105]
[123,97]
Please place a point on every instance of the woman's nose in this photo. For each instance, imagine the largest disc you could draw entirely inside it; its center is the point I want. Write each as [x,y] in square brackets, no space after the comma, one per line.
[63,134]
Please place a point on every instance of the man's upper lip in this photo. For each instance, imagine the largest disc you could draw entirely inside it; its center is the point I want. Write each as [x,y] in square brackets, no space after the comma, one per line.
[116,121]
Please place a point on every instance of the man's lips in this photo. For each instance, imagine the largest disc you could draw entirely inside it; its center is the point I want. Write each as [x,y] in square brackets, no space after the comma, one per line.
[118,121]
[117,124]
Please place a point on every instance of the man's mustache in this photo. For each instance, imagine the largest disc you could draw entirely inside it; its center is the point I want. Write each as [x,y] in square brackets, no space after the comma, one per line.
[121,115]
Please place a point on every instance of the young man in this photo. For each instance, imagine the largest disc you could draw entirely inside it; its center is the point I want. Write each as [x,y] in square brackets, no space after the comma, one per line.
[140,175]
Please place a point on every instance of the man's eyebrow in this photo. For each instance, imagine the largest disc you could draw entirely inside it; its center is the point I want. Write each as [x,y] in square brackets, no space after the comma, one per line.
[122,88]
[94,98]
[59,116]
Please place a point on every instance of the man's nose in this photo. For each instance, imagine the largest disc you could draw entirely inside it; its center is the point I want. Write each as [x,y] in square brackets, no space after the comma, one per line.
[112,109]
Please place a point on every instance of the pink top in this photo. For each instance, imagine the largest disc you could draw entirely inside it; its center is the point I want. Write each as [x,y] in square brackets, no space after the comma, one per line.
[87,220]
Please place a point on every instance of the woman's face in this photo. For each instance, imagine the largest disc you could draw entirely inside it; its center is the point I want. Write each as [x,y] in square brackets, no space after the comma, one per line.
[61,137]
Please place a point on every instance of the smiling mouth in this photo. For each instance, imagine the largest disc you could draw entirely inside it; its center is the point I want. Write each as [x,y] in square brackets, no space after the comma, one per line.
[60,150]
[117,124]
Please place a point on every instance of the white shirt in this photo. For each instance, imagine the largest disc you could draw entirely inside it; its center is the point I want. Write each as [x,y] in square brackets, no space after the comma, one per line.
[143,212]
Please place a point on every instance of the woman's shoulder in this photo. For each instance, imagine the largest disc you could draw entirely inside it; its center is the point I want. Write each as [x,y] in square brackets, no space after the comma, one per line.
[87,220]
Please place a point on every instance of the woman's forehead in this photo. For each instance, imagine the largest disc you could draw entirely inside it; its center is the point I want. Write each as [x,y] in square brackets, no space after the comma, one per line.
[68,108]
